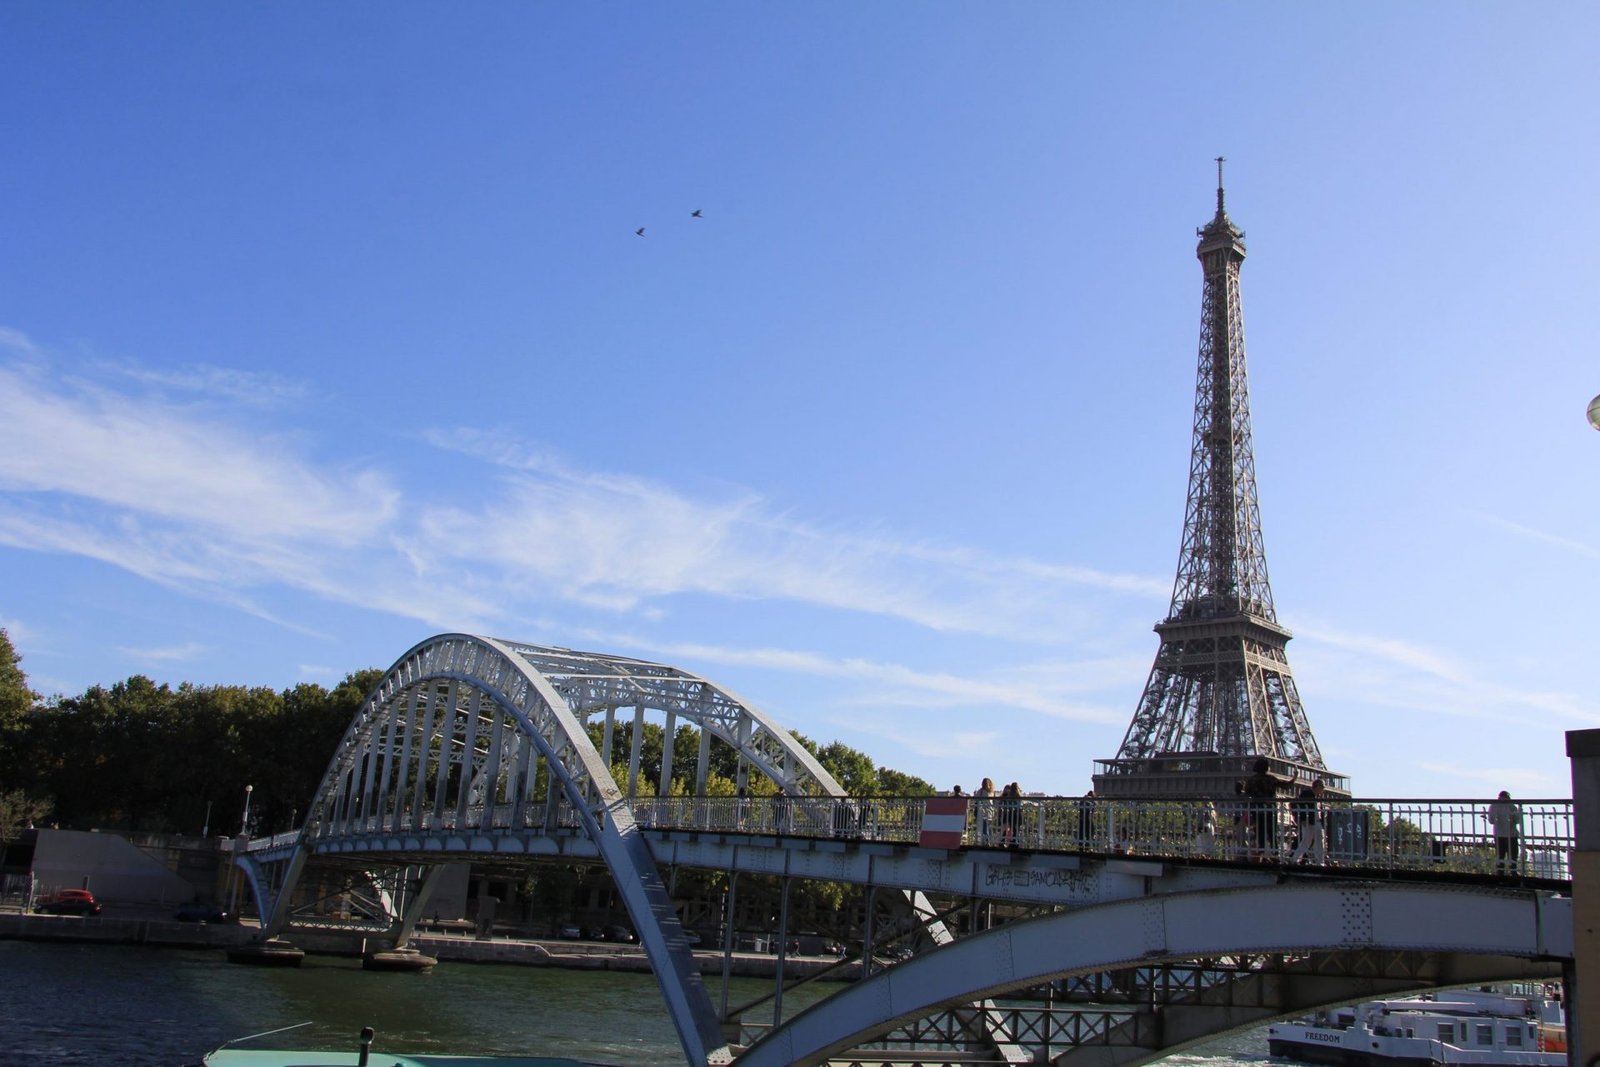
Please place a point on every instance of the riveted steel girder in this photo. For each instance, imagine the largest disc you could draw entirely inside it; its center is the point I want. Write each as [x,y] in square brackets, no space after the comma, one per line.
[1534,928]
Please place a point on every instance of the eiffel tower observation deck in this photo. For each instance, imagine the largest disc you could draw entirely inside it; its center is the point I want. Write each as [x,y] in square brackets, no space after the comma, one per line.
[1220,697]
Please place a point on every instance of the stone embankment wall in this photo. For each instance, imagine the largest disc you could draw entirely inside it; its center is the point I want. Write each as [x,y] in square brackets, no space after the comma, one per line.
[112,929]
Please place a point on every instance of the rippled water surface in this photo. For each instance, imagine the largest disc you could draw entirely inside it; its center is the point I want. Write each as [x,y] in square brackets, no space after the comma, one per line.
[139,1007]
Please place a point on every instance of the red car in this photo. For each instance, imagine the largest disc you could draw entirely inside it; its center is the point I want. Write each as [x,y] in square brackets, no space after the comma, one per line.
[69,902]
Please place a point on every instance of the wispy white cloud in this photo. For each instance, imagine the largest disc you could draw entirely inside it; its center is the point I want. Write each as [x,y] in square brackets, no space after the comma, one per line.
[210,500]
[1588,551]
[18,631]
[614,542]
[172,654]
[18,344]
[1044,690]
[1389,672]
[227,384]
[147,457]
[1407,654]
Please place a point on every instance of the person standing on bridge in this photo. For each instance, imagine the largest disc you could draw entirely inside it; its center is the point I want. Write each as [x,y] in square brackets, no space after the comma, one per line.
[1010,814]
[1307,810]
[985,796]
[1505,816]
[1086,821]
[1261,794]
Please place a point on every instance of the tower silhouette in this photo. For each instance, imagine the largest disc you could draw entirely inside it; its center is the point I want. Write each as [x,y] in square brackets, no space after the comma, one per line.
[1220,696]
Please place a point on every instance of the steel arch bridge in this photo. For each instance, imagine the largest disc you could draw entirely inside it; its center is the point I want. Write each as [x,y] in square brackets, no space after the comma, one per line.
[478,748]
[467,739]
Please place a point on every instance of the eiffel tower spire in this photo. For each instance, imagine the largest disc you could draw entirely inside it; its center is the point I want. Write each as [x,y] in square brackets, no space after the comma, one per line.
[1220,695]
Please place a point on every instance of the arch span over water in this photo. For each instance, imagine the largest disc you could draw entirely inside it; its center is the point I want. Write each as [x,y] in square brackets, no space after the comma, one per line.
[1290,919]
[469,741]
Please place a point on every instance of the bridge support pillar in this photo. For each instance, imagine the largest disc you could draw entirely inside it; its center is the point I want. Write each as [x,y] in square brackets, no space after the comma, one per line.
[1583,980]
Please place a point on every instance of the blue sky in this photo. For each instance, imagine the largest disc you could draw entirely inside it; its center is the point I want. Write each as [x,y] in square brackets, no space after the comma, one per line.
[325,328]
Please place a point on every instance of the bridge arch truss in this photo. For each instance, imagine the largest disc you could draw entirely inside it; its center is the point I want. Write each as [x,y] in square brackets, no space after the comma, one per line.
[475,746]
[1314,946]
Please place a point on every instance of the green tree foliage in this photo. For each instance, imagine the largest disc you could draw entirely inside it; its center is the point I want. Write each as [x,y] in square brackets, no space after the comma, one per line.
[859,776]
[139,755]
[16,699]
[143,756]
[893,783]
[851,768]
[21,802]
[18,811]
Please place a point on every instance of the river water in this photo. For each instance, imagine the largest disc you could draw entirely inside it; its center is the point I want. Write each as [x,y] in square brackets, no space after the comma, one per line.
[94,1005]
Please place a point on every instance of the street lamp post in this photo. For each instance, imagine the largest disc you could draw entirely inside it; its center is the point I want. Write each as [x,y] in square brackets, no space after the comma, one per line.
[238,847]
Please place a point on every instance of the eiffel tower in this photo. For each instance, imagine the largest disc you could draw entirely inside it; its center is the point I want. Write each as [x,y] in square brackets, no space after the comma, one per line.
[1220,696]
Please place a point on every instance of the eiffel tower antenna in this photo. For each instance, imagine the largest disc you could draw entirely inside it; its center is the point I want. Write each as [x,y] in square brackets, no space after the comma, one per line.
[1220,696]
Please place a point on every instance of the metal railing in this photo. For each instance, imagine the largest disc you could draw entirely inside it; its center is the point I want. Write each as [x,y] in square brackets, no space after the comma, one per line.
[1388,834]
[1380,834]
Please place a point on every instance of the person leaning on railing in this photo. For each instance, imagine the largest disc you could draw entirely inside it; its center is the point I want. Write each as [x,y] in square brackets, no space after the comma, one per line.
[1505,816]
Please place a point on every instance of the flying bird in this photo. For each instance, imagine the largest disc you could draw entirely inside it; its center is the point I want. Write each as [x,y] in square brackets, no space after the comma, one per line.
[639,232]
[695,214]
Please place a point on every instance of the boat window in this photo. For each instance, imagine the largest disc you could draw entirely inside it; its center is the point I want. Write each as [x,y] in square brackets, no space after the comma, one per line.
[1447,1031]
[1485,1033]
[1514,1036]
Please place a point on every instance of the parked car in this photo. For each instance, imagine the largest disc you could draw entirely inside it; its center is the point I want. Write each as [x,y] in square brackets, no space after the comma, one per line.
[200,911]
[69,902]
[570,932]
[620,935]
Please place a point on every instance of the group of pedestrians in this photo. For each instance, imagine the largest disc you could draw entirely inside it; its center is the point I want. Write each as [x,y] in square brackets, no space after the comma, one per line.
[1258,829]
[1307,818]
[1250,824]
[999,813]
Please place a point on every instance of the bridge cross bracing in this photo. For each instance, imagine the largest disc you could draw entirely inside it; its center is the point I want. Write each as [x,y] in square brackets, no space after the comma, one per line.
[476,748]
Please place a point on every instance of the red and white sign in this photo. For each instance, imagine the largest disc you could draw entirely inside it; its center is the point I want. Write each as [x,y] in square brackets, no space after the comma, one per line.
[944,820]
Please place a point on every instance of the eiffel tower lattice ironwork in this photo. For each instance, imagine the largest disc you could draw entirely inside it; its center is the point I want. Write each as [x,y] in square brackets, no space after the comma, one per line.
[1220,696]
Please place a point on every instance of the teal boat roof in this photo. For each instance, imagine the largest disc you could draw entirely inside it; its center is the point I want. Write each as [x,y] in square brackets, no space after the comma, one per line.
[233,1057]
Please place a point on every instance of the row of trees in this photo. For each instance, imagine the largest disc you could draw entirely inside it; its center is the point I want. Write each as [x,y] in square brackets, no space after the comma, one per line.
[138,756]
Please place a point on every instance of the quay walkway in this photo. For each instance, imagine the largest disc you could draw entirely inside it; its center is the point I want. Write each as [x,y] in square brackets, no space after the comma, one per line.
[132,924]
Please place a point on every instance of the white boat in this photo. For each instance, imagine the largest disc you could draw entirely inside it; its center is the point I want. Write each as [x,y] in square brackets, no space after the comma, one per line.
[1450,1029]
